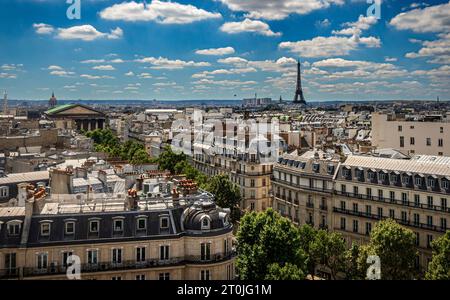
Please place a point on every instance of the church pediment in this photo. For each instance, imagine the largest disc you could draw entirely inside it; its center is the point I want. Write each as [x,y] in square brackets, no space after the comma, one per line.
[73,110]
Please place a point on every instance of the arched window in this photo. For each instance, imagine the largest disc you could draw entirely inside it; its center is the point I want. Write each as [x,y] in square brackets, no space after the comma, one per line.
[206,222]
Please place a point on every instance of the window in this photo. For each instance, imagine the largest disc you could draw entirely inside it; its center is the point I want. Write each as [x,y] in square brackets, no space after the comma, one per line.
[164,223]
[355,207]
[431,182]
[140,277]
[263,182]
[393,178]
[417,238]
[368,209]
[441,129]
[429,240]
[428,141]
[92,257]
[118,225]
[205,275]
[140,254]
[42,261]
[406,179]
[343,223]
[404,217]
[417,200]
[116,256]
[252,183]
[392,196]
[252,206]
[45,229]
[141,224]
[356,191]
[402,141]
[164,252]
[205,251]
[316,167]
[225,246]
[381,194]
[416,219]
[368,228]
[13,228]
[116,278]
[392,214]
[343,205]
[440,143]
[65,256]
[10,263]
[355,225]
[206,223]
[69,228]
[444,223]
[164,276]
[445,184]
[444,203]
[405,199]
[380,212]
[343,188]
[429,221]
[4,192]
[94,226]
[346,173]
[430,202]
[400,128]
[418,181]
[412,141]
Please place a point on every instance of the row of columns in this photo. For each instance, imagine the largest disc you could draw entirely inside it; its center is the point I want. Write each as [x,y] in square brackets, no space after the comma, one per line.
[89,124]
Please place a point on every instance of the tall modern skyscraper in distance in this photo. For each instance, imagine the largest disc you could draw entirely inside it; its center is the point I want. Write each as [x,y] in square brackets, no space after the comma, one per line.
[299,98]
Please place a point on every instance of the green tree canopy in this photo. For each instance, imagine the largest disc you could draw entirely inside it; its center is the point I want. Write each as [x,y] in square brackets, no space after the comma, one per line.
[286,272]
[439,267]
[395,245]
[328,249]
[227,194]
[265,239]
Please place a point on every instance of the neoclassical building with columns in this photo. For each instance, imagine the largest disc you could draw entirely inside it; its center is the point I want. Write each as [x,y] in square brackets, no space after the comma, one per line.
[76,117]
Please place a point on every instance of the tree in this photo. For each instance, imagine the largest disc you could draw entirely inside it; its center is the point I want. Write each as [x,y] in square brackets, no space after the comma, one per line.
[139,157]
[265,239]
[395,245]
[439,267]
[286,272]
[226,193]
[307,235]
[328,248]
[351,268]
[168,159]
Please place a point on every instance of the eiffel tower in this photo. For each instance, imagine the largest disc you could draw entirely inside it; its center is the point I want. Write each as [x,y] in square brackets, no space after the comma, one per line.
[299,98]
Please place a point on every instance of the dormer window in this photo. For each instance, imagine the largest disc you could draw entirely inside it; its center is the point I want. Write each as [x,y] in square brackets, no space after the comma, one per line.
[371,175]
[330,169]
[393,178]
[69,227]
[206,223]
[14,228]
[431,182]
[94,226]
[346,172]
[445,183]
[118,225]
[141,223]
[164,223]
[316,167]
[382,176]
[418,181]
[45,229]
[406,179]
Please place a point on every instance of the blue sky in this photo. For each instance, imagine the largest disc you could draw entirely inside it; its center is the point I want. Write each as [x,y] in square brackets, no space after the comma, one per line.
[225,49]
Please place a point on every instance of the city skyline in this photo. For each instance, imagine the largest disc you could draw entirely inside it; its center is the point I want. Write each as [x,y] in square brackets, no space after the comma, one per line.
[225,49]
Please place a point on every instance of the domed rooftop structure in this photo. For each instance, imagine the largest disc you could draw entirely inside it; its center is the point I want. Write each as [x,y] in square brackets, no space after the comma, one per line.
[205,215]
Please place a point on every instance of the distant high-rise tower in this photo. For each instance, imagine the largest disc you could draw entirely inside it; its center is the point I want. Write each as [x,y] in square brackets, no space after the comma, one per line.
[52,102]
[299,98]
[5,103]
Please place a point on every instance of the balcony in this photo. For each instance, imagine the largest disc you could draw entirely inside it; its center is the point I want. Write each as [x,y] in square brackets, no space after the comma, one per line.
[393,201]
[125,265]
[323,207]
[310,204]
[400,221]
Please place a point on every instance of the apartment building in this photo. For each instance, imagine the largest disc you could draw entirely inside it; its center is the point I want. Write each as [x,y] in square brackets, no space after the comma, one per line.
[303,187]
[176,237]
[246,157]
[351,196]
[413,134]
[413,192]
